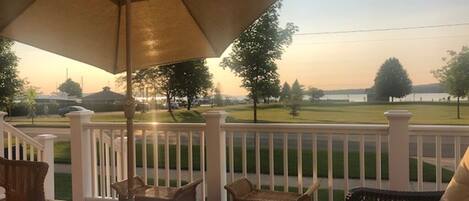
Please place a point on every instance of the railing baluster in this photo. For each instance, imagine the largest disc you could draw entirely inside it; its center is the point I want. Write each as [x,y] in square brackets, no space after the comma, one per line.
[346,170]
[258,161]
[155,159]
[190,161]
[107,169]
[315,163]
[25,150]
[17,148]
[231,155]
[378,160]
[113,163]
[31,153]
[299,159]
[10,154]
[202,162]
[438,162]
[166,158]
[94,178]
[101,162]
[419,163]
[244,155]
[123,156]
[144,157]
[178,159]
[362,160]
[271,161]
[285,163]
[330,179]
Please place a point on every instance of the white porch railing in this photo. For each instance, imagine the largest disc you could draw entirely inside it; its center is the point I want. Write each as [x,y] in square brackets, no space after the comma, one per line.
[221,152]
[15,145]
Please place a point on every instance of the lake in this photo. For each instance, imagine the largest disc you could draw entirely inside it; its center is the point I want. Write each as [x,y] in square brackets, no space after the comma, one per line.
[414,97]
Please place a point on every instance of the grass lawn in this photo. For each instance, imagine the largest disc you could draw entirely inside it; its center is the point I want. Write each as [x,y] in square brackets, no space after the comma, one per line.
[62,156]
[424,113]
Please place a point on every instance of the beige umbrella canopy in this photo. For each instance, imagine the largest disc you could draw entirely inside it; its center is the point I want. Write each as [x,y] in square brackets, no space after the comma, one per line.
[116,37]
[163,31]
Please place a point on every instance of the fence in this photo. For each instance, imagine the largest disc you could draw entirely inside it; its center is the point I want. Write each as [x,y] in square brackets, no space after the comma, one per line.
[284,157]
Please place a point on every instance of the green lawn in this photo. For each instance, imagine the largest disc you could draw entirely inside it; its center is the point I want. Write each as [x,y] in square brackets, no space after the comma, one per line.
[338,170]
[424,113]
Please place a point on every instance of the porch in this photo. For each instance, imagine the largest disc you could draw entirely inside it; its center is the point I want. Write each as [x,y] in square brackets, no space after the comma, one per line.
[283,157]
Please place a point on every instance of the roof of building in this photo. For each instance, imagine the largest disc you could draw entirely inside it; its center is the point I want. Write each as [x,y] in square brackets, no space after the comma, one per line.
[105,94]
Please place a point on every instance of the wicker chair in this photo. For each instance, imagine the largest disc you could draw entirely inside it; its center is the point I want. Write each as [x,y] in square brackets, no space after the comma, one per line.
[243,190]
[369,194]
[23,180]
[144,192]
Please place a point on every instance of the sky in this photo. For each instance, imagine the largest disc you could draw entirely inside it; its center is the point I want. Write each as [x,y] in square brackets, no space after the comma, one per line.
[328,61]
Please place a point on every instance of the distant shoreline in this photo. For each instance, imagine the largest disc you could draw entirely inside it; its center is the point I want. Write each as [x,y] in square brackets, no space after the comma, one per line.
[422,88]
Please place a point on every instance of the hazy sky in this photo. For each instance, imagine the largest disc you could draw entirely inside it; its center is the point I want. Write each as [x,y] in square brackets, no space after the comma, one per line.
[330,61]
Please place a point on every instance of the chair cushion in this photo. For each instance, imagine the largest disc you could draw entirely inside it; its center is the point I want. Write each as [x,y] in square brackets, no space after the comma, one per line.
[458,187]
[259,195]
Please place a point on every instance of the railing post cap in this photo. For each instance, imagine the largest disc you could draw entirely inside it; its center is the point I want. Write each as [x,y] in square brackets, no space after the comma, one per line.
[83,113]
[398,114]
[215,114]
[45,137]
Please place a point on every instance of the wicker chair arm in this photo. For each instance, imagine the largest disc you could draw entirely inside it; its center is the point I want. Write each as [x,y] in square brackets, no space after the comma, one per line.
[307,196]
[122,188]
[365,194]
[239,188]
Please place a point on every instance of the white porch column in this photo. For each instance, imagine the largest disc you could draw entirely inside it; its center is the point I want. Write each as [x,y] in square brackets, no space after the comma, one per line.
[398,148]
[2,131]
[48,156]
[81,154]
[216,155]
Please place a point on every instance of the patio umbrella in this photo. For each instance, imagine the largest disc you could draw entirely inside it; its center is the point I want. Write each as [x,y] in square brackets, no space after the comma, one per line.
[126,35]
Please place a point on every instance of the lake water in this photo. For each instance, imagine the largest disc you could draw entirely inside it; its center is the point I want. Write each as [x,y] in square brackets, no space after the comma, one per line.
[414,97]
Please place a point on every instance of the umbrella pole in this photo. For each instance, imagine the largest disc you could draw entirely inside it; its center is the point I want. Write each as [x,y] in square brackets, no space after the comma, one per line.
[130,105]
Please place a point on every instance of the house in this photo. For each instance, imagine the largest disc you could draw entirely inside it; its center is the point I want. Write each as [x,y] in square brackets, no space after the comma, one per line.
[104,101]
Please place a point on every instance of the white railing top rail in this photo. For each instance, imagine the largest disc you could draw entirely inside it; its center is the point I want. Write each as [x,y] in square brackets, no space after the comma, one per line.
[349,129]
[147,126]
[17,133]
[443,130]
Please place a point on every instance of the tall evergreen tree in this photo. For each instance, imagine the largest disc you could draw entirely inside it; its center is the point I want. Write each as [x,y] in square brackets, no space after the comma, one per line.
[254,53]
[296,97]
[10,83]
[392,80]
[285,93]
[454,76]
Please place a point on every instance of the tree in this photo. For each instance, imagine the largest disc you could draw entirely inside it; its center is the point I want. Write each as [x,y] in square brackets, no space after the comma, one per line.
[218,98]
[296,97]
[454,76]
[71,87]
[10,83]
[270,90]
[285,93]
[193,79]
[254,53]
[315,94]
[30,95]
[392,80]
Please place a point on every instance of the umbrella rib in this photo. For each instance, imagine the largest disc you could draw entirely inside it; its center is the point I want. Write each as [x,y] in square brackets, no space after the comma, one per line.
[214,50]
[119,10]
